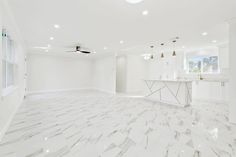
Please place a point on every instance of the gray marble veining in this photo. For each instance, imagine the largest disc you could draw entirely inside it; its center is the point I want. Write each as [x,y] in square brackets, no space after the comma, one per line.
[94,124]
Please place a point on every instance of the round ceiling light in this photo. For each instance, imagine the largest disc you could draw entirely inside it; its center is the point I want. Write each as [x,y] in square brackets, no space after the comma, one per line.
[134,1]
[145,12]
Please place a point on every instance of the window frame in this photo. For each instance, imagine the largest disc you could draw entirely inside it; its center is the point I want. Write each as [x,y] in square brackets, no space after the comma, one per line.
[9,57]
[187,59]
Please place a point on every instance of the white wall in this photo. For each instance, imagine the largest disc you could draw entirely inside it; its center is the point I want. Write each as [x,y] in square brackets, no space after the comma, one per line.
[171,67]
[10,103]
[121,74]
[168,67]
[232,63]
[104,74]
[52,73]
[136,72]
[224,59]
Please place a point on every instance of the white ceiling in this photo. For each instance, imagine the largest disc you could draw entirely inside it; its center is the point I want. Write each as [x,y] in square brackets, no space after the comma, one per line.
[99,23]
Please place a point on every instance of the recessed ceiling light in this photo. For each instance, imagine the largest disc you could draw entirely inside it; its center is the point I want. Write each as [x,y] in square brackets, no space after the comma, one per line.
[214,41]
[49,45]
[94,52]
[204,33]
[134,1]
[183,47]
[105,48]
[145,12]
[46,50]
[121,42]
[56,26]
[51,38]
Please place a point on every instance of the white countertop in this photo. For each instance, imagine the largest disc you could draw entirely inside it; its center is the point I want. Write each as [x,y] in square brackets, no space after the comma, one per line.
[168,80]
[188,80]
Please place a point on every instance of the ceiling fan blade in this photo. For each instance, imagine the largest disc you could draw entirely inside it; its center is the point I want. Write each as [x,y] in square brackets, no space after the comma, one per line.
[85,51]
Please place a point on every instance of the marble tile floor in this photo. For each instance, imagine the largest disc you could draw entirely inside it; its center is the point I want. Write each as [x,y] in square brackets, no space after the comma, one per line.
[94,124]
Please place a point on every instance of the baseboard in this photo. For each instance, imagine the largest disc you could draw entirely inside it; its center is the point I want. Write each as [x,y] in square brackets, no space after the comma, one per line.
[56,90]
[104,91]
[66,90]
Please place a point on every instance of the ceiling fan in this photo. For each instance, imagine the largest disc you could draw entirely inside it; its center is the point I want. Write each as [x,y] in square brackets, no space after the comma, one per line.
[78,49]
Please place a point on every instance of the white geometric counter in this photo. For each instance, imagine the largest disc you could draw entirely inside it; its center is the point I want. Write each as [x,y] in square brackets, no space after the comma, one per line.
[174,92]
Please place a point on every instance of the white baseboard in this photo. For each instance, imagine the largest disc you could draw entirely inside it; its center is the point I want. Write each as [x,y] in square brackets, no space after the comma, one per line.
[103,90]
[67,90]
[56,90]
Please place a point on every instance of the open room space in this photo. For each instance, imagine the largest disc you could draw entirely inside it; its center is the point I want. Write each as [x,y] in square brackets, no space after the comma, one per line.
[118,78]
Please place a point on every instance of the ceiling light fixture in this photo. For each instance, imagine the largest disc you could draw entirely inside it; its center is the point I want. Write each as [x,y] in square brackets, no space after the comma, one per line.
[121,42]
[174,53]
[145,12]
[162,54]
[105,48]
[147,56]
[46,50]
[204,33]
[56,26]
[51,38]
[134,1]
[214,41]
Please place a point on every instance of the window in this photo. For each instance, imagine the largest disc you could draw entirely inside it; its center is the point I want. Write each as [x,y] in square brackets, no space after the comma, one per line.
[8,61]
[202,64]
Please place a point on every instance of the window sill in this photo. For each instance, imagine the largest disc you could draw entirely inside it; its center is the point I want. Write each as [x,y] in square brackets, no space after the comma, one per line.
[7,91]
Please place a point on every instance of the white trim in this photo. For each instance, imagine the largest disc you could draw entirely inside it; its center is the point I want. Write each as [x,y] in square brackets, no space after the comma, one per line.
[105,91]
[66,90]
[56,90]
[7,91]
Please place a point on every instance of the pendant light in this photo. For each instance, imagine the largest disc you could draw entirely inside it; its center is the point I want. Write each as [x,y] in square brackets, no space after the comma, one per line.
[162,54]
[174,53]
[152,56]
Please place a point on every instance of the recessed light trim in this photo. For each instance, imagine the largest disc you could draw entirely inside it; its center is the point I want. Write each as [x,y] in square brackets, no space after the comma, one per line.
[214,41]
[56,26]
[134,1]
[145,12]
[204,34]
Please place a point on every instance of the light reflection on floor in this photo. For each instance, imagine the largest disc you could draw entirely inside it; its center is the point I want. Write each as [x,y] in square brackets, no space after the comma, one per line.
[93,124]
